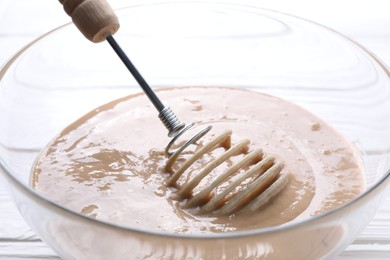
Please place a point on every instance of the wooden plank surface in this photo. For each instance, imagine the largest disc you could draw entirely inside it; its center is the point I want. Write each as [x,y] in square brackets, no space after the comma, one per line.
[365,21]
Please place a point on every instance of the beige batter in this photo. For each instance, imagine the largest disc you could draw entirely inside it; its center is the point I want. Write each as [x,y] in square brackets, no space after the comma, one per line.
[110,163]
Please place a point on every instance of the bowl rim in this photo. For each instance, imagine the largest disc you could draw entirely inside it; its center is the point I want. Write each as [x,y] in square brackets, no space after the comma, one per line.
[166,234]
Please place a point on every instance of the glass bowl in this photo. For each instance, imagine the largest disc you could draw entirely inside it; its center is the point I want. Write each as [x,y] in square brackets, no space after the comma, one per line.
[61,76]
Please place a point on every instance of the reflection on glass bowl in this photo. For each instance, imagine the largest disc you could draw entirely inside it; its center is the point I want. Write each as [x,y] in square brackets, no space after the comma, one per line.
[61,76]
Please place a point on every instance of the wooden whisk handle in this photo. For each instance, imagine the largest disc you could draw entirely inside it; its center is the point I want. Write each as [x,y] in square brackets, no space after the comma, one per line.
[94,18]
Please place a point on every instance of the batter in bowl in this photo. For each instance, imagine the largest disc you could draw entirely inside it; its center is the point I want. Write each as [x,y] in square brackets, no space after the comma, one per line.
[110,163]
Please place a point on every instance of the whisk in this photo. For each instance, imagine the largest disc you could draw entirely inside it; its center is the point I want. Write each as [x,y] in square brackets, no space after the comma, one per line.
[98,22]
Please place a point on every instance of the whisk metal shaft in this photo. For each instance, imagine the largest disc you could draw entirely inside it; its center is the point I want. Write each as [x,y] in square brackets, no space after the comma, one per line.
[166,115]
[138,77]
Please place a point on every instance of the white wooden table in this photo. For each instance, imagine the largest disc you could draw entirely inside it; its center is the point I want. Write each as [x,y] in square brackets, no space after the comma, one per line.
[365,21]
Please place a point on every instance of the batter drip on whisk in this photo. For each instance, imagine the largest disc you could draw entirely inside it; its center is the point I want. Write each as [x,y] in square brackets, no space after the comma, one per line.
[249,190]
